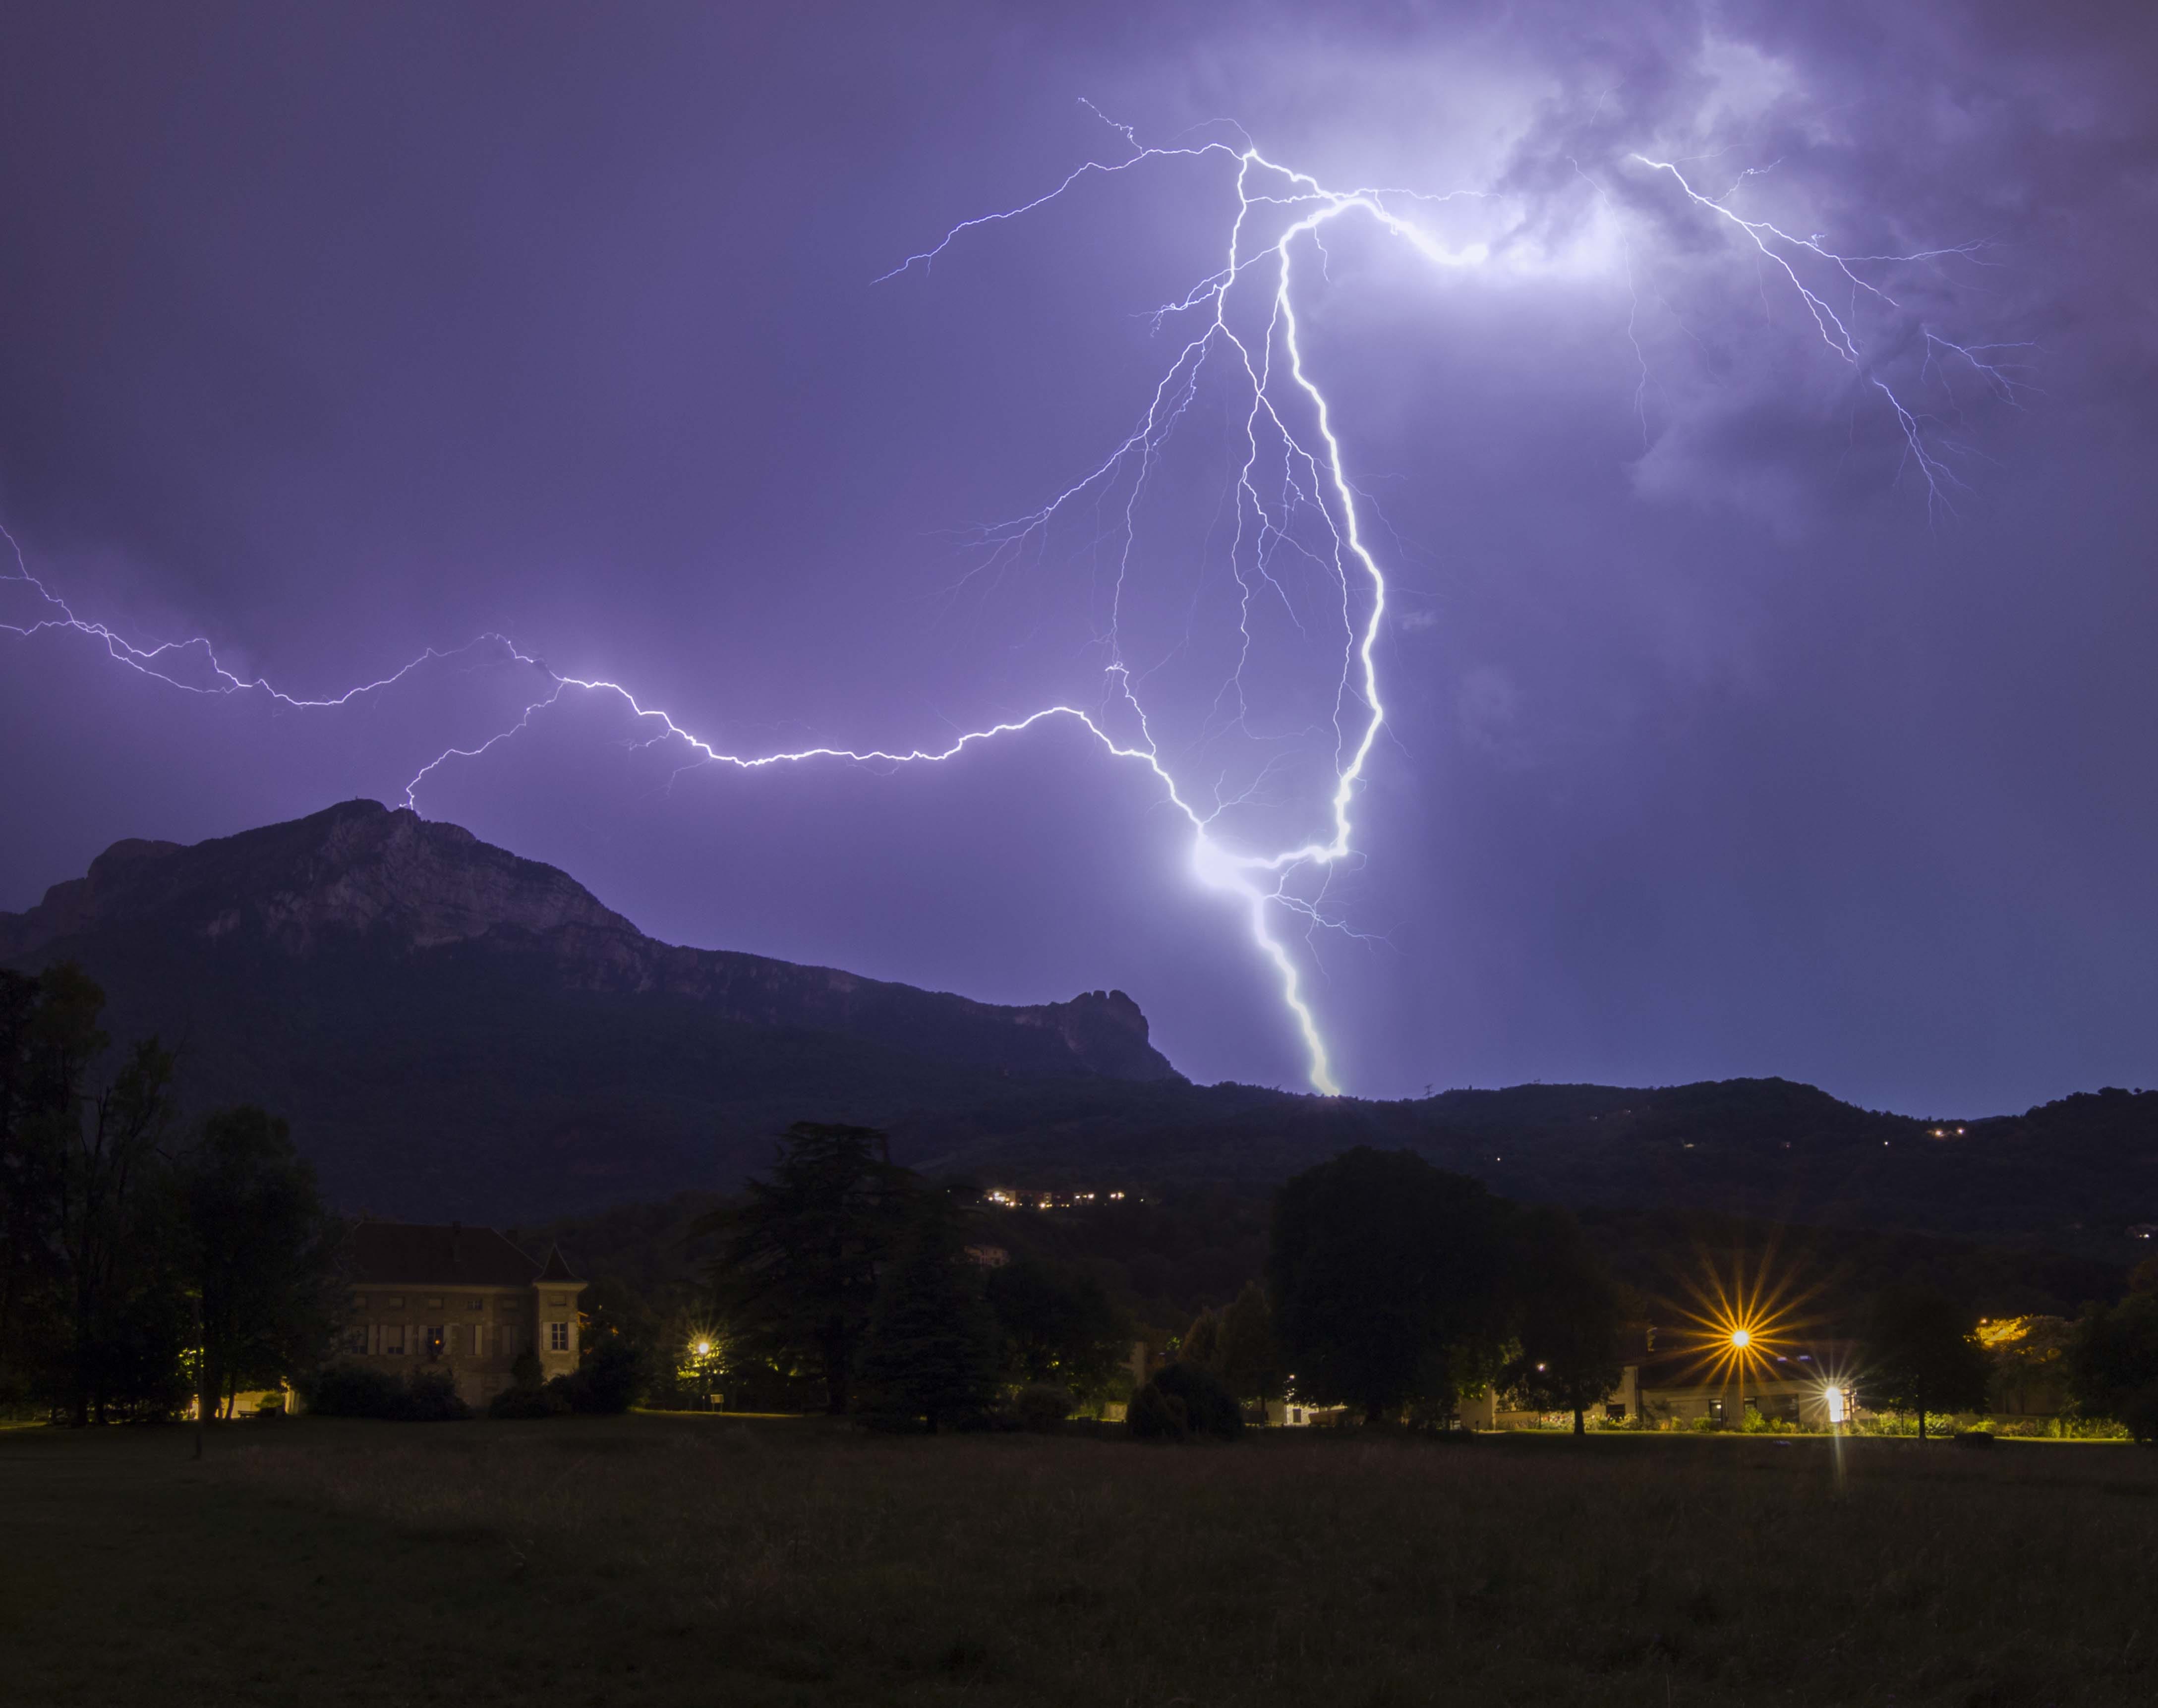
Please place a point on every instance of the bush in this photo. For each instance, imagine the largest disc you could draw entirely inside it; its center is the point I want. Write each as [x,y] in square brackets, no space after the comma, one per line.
[356,1390]
[1041,1407]
[431,1397]
[1182,1401]
[610,1381]
[613,1379]
[1155,1415]
[522,1402]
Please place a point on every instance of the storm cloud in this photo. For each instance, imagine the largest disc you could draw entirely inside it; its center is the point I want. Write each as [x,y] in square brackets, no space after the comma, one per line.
[1722,740]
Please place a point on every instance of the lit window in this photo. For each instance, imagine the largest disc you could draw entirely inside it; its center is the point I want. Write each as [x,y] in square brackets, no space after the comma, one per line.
[558,1337]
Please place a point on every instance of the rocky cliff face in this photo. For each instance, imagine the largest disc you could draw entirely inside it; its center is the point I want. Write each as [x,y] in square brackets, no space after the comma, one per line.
[362,877]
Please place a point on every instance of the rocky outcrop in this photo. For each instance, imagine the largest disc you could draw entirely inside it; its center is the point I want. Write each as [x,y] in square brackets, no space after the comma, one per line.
[361,876]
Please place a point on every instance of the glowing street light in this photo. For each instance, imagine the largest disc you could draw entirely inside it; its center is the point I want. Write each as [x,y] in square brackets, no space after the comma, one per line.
[703,1349]
[1741,1338]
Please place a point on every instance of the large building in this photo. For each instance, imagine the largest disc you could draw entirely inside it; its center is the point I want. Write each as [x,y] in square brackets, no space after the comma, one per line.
[459,1300]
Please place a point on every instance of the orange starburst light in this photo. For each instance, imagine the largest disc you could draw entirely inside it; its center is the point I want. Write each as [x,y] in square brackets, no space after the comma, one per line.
[1743,1319]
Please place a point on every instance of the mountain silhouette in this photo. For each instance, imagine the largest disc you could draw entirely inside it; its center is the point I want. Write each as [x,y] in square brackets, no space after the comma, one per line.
[448,1026]
[456,1031]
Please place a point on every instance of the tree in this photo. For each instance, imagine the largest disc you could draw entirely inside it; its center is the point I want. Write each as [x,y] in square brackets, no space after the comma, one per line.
[1202,1346]
[930,1355]
[29,1196]
[88,1315]
[1058,1325]
[796,1275]
[2113,1362]
[1183,1400]
[1384,1274]
[610,1379]
[1922,1354]
[260,1252]
[1250,1365]
[1570,1321]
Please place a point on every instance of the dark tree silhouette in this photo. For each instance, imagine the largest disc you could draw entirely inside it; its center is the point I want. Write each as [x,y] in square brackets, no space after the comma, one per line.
[29,1196]
[1202,1346]
[1183,1400]
[1921,1354]
[1251,1361]
[262,1253]
[796,1275]
[2113,1361]
[89,1156]
[930,1355]
[1059,1326]
[1386,1278]
[1570,1318]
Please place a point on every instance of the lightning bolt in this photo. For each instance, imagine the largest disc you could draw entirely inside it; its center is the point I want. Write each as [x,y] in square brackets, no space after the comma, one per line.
[1293,472]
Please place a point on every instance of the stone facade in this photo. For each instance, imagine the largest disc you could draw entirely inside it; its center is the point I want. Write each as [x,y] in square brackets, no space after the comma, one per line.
[460,1299]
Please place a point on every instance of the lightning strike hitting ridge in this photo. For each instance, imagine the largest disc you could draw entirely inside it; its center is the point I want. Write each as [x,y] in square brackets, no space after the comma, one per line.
[1293,500]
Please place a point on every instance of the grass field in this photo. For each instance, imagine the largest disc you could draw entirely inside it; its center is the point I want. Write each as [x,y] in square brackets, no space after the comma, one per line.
[653,1559]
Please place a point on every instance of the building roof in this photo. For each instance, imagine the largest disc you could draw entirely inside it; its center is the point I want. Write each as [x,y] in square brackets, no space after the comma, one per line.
[414,1254]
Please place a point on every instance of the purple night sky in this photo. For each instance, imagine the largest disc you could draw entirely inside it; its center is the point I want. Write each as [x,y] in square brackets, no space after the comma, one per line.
[1713,749]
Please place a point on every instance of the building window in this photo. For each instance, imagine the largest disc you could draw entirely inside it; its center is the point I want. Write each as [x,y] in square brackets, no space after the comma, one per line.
[396,1303]
[558,1298]
[474,1304]
[431,1341]
[558,1337]
[1615,1413]
[355,1339]
[393,1339]
[434,1304]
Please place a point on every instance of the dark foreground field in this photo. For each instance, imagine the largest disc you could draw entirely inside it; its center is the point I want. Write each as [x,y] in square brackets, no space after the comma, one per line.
[658,1559]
